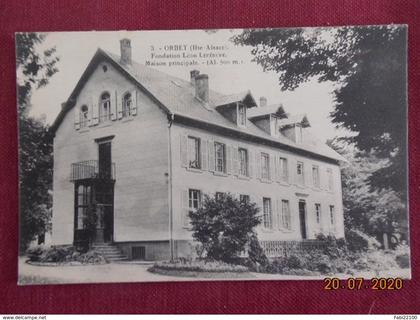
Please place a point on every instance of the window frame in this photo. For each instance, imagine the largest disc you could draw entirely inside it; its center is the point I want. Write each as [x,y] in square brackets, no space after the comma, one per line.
[194,196]
[124,110]
[216,157]
[240,171]
[301,176]
[84,116]
[316,178]
[265,159]
[283,167]
[244,198]
[197,151]
[267,224]
[318,213]
[104,117]
[286,217]
[330,179]
[332,216]
[241,116]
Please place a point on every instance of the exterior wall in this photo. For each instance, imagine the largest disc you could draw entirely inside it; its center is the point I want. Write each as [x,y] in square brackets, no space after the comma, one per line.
[140,154]
[154,250]
[210,182]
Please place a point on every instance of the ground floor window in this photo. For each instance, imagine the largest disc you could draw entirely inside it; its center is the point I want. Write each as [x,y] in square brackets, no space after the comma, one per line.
[332,216]
[244,198]
[83,205]
[267,213]
[194,201]
[318,212]
[285,215]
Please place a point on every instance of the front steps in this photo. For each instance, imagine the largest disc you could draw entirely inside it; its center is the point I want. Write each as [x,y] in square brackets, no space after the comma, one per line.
[109,251]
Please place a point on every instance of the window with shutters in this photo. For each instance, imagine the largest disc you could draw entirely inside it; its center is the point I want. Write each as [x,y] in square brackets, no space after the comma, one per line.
[318,213]
[315,176]
[243,162]
[105,107]
[127,105]
[241,115]
[300,173]
[244,198]
[220,157]
[283,169]
[84,116]
[265,166]
[330,179]
[267,213]
[285,215]
[194,153]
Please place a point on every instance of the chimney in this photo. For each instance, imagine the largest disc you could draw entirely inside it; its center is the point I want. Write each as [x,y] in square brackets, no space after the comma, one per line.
[194,74]
[263,101]
[202,87]
[125,46]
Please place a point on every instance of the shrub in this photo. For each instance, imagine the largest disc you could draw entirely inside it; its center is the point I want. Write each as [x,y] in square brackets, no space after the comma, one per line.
[199,266]
[223,226]
[402,256]
[64,255]
[359,241]
[255,252]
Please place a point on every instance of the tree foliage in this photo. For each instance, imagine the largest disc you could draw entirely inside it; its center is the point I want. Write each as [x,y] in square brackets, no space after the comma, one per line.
[368,66]
[34,69]
[372,211]
[224,226]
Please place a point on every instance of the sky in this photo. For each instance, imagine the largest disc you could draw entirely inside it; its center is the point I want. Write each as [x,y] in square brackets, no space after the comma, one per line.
[75,50]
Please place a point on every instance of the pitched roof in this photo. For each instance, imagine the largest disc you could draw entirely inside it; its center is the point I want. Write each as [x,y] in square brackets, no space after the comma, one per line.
[276,109]
[177,96]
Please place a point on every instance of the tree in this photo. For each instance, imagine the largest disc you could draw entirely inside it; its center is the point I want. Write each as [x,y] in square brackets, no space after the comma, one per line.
[224,226]
[368,66]
[34,69]
[374,212]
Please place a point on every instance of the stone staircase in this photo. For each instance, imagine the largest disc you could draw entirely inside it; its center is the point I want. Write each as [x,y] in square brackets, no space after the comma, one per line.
[109,251]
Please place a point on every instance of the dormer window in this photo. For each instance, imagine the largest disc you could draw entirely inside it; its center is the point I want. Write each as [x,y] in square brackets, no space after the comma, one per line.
[105,107]
[84,116]
[127,105]
[241,115]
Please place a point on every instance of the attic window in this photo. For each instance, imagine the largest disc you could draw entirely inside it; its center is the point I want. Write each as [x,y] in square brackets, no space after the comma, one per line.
[105,68]
[241,115]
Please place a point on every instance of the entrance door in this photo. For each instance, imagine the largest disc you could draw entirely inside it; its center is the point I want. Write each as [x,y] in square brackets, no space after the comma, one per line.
[105,162]
[302,218]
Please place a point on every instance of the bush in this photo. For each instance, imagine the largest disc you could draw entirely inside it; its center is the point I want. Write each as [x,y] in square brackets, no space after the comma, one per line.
[223,226]
[402,256]
[199,266]
[64,255]
[360,241]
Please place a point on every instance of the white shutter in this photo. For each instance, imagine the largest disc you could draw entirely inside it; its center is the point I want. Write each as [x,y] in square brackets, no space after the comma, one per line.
[250,163]
[235,160]
[272,167]
[258,165]
[204,155]
[228,159]
[76,118]
[113,103]
[133,103]
[184,205]
[119,106]
[184,150]
[95,111]
[210,149]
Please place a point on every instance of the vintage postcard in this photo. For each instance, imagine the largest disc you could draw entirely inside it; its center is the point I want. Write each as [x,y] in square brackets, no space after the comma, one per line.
[245,154]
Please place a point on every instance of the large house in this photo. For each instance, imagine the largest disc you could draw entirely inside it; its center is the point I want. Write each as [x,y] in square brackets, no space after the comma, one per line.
[140,148]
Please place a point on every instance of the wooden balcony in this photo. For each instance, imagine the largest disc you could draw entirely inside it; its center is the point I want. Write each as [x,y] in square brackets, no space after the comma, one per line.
[92,170]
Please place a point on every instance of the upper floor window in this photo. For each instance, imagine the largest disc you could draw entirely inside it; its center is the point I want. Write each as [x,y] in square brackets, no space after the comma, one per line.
[241,115]
[285,215]
[318,212]
[300,172]
[330,179]
[243,162]
[84,116]
[194,153]
[267,213]
[283,169]
[127,105]
[315,176]
[265,166]
[105,107]
[220,157]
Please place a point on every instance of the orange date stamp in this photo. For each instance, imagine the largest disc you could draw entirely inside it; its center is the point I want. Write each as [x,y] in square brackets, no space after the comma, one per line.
[361,283]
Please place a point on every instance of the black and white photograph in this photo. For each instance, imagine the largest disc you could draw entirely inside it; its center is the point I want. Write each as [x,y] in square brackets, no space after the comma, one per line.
[217,154]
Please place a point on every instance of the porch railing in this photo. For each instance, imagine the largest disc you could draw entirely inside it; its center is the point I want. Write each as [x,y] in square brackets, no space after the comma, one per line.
[90,169]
